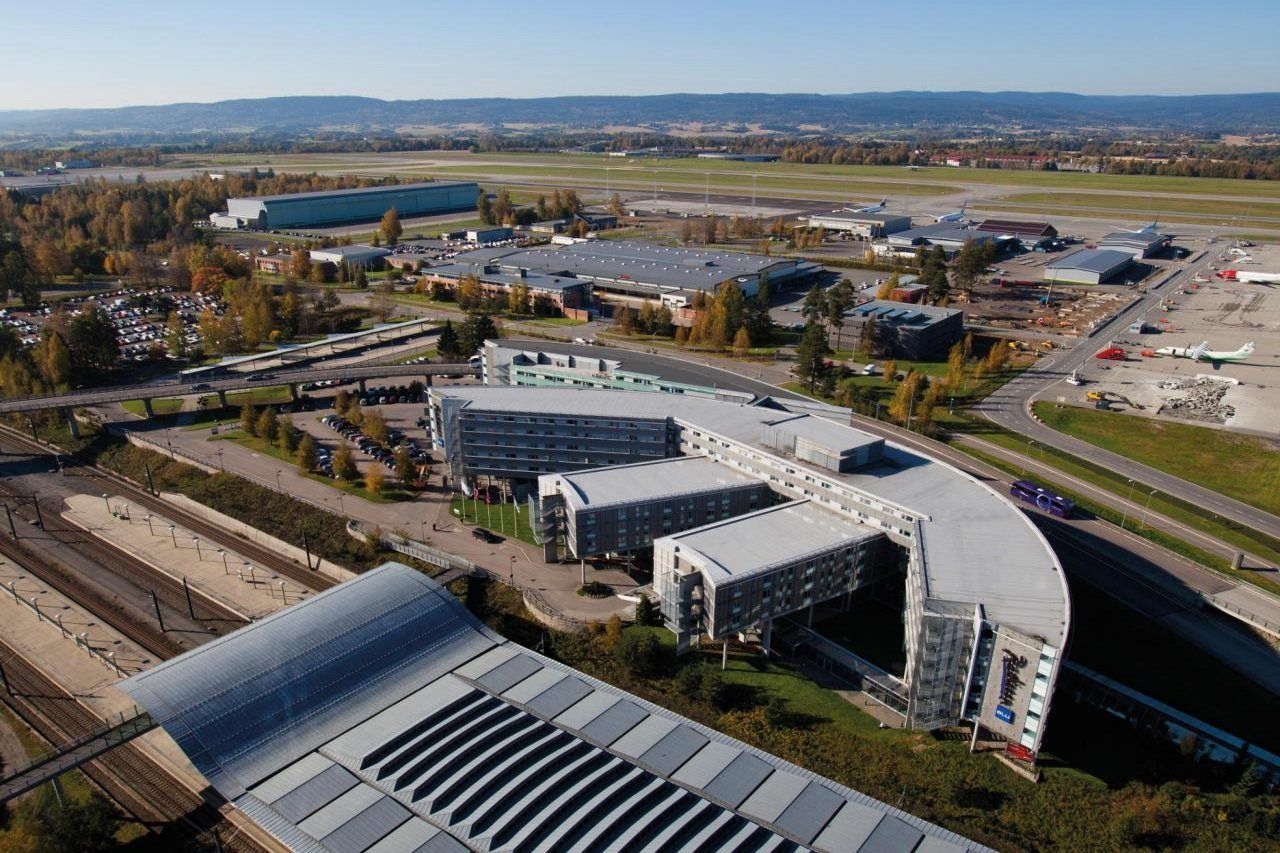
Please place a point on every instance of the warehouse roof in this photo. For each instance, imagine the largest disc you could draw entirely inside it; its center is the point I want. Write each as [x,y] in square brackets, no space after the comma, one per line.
[747,545]
[1009,568]
[652,480]
[380,715]
[855,216]
[1100,261]
[378,190]
[353,251]
[1021,228]
[1143,239]
[902,313]
[941,232]
[507,276]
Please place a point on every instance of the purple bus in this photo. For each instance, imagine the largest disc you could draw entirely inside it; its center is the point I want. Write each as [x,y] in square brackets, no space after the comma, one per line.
[1025,490]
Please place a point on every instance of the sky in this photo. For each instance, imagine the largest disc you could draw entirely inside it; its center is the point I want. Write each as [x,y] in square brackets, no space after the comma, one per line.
[95,54]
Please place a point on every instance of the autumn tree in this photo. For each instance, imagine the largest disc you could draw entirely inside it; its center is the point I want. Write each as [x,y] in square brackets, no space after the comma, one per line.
[518,299]
[344,464]
[741,343]
[268,426]
[374,481]
[249,419]
[375,425]
[306,454]
[901,407]
[616,207]
[406,471]
[390,227]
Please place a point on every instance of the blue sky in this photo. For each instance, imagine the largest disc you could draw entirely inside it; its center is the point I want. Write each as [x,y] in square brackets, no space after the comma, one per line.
[96,54]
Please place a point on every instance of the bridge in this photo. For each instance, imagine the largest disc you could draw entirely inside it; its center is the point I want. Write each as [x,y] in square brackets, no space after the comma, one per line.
[148,391]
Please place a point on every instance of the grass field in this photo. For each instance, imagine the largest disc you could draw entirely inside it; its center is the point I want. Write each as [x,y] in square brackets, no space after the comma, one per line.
[503,519]
[1241,467]
[1150,206]
[392,493]
[160,406]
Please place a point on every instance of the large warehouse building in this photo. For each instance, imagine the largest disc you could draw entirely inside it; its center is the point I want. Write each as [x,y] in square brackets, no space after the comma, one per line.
[382,717]
[986,603]
[869,225]
[1138,244]
[645,270]
[337,207]
[1088,266]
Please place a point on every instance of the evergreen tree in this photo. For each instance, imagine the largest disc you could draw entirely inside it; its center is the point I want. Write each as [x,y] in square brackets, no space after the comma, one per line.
[268,426]
[811,355]
[476,329]
[815,306]
[361,278]
[484,207]
[249,419]
[405,469]
[447,344]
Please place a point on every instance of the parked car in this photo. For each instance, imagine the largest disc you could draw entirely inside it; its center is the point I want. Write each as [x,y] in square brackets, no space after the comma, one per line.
[485,535]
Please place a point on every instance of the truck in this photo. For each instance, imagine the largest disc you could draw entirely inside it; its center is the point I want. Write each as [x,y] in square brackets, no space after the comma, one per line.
[1141,327]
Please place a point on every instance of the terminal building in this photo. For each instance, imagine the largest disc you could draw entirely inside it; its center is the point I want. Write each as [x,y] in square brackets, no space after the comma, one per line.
[872,225]
[986,610]
[908,331]
[380,716]
[338,207]
[1087,266]
[645,270]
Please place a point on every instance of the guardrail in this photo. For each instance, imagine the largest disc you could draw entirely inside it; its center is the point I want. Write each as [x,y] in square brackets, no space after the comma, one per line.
[81,639]
[1242,614]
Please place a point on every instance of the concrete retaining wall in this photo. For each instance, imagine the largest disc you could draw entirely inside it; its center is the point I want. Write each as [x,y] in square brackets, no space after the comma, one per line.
[253,534]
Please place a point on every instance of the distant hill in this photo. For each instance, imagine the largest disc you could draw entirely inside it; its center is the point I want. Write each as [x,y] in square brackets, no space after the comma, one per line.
[782,112]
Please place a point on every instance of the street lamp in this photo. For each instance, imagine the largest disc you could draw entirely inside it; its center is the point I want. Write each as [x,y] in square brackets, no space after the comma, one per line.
[151,529]
[221,464]
[106,501]
[279,488]
[173,535]
[196,540]
[1125,515]
[513,569]
[226,570]
[1146,509]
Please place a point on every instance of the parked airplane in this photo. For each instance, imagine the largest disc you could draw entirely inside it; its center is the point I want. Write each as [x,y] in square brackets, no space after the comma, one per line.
[953,216]
[1202,352]
[1249,277]
[874,208]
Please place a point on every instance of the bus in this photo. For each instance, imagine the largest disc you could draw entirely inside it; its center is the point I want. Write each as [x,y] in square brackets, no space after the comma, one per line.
[1025,490]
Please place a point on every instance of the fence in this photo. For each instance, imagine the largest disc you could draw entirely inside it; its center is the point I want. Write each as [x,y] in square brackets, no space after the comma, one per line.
[81,639]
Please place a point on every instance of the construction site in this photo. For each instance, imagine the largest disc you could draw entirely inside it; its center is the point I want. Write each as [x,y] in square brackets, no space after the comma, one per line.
[1207,353]
[1021,306]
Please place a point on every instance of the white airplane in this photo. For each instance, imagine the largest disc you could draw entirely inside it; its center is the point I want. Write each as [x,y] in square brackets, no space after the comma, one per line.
[1201,352]
[953,216]
[873,208]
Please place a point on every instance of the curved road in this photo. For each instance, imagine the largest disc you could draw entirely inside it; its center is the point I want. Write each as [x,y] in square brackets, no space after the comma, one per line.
[1010,407]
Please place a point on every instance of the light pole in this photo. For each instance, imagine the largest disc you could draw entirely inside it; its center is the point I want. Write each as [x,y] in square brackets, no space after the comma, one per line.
[341,506]
[279,488]
[106,501]
[196,540]
[151,529]
[1125,515]
[226,570]
[221,464]
[1146,509]
[173,535]
[513,569]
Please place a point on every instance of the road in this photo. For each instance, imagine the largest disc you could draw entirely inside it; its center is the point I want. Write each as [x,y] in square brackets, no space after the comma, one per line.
[1010,407]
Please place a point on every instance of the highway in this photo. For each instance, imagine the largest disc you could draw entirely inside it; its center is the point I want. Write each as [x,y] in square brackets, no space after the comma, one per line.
[183,388]
[1010,407]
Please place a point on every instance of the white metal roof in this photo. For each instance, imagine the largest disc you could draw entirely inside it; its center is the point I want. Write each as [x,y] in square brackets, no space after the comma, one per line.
[652,480]
[447,737]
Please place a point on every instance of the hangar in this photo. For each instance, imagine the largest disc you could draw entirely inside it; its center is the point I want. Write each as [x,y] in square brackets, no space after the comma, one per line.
[1088,266]
[869,225]
[336,207]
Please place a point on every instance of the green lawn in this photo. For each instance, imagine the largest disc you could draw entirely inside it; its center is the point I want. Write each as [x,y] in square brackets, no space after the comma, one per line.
[554,321]
[1146,206]
[160,406]
[503,519]
[1239,466]
[392,493]
[265,396]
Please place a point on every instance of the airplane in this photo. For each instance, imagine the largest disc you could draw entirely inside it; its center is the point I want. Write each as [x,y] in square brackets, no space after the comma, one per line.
[953,216]
[1202,352]
[874,208]
[1248,277]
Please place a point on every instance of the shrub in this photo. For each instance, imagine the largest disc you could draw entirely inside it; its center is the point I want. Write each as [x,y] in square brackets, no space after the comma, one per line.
[641,653]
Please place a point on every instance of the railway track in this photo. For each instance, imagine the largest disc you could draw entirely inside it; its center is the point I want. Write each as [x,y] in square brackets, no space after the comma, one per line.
[135,781]
[111,481]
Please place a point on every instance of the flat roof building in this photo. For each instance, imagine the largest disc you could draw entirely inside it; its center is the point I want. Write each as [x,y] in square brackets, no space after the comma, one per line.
[1088,266]
[908,330]
[559,292]
[623,508]
[491,234]
[1138,244]
[356,256]
[382,716]
[647,269]
[979,576]
[337,207]
[948,235]
[1026,232]
[869,225]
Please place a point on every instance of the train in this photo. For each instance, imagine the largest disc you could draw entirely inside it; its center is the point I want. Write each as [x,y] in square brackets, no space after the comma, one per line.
[1029,492]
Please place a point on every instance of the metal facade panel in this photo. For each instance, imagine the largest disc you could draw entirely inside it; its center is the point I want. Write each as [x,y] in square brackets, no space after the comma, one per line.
[334,814]
[314,794]
[706,764]
[408,837]
[487,661]
[644,736]
[809,812]
[291,777]
[553,701]
[367,827]
[669,754]
[774,795]
[737,781]
[506,675]
[891,836]
[614,723]
[532,686]
[383,727]
[587,709]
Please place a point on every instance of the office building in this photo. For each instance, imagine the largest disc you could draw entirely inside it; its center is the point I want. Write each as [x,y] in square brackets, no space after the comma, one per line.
[338,207]
[907,331]
[557,292]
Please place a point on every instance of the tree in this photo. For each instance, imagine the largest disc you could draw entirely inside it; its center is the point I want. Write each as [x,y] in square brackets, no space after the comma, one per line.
[681,335]
[78,827]
[616,207]
[933,274]
[406,471]
[518,299]
[623,320]
[969,265]
[249,419]
[374,482]
[757,320]
[91,337]
[815,305]
[708,230]
[306,454]
[997,357]
[476,329]
[868,338]
[268,426]
[375,425]
[390,227]
[53,358]
[447,344]
[484,207]
[686,232]
[741,343]
[344,464]
[641,653]
[901,407]
[811,354]
[887,287]
[955,365]
[361,281]
[646,613]
[175,335]
[840,299]
[290,437]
